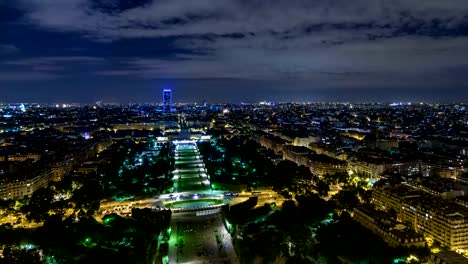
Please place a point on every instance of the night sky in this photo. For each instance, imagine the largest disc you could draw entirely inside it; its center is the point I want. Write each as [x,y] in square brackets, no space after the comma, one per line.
[233,51]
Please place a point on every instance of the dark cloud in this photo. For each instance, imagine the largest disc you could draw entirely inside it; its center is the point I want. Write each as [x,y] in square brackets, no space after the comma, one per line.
[36,61]
[312,44]
[178,17]
[26,76]
[6,49]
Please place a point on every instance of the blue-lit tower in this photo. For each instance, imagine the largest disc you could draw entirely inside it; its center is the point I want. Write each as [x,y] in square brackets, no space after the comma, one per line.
[167,100]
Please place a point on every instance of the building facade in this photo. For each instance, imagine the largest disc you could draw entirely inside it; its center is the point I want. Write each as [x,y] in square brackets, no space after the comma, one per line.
[167,100]
[21,188]
[395,235]
[322,165]
[430,215]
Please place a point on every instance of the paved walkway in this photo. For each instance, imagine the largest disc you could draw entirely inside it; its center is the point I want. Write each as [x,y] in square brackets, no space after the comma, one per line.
[202,239]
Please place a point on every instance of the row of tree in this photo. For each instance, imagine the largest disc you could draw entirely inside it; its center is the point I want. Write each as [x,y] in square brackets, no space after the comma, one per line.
[312,228]
[115,240]
[241,160]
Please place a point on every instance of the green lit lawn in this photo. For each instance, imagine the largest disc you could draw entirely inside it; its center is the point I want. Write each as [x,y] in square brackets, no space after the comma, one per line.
[194,203]
[192,186]
[190,175]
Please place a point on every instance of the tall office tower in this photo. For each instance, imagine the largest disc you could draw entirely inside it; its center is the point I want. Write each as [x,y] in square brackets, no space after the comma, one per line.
[167,100]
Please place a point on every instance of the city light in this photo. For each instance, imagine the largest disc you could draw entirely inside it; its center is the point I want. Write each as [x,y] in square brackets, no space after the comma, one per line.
[290,173]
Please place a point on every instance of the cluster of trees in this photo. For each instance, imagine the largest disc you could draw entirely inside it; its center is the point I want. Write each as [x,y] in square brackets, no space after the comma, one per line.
[241,160]
[245,161]
[312,228]
[238,213]
[83,194]
[345,240]
[116,239]
[354,190]
[289,179]
[286,232]
[236,160]
[122,178]
[59,199]
[70,234]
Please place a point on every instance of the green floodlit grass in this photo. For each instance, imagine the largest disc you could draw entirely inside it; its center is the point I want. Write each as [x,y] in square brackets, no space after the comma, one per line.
[194,203]
[192,187]
[187,154]
[191,180]
[188,166]
[186,157]
[190,175]
[186,151]
[189,171]
[188,161]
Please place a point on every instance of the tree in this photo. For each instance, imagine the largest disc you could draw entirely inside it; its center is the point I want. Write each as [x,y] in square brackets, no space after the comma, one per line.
[312,208]
[365,195]
[323,188]
[88,197]
[39,205]
[19,256]
[288,177]
[346,199]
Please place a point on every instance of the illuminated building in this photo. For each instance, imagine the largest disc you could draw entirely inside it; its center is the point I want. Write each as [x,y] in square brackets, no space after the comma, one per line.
[17,186]
[305,141]
[298,155]
[367,168]
[322,165]
[446,257]
[24,187]
[21,157]
[167,100]
[427,214]
[272,142]
[394,234]
[438,219]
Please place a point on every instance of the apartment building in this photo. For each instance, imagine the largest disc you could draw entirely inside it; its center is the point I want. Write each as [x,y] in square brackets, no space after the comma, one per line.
[25,187]
[394,234]
[427,214]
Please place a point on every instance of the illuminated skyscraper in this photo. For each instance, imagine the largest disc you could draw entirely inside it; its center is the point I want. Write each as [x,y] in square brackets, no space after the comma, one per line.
[167,100]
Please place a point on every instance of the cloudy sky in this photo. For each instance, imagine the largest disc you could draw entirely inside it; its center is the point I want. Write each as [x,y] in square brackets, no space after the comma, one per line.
[238,50]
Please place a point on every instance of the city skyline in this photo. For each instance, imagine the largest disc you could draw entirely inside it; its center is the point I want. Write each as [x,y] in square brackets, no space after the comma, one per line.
[153,96]
[84,51]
